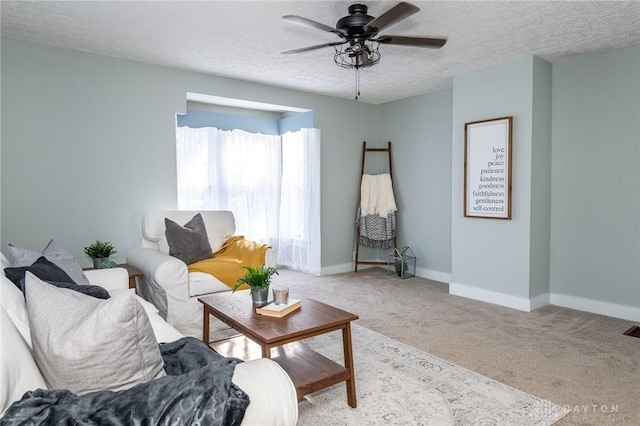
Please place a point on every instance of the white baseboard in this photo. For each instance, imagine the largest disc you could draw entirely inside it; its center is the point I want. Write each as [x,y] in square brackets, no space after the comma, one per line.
[336,269]
[343,267]
[594,306]
[430,274]
[420,272]
[540,301]
[520,303]
[489,296]
[579,303]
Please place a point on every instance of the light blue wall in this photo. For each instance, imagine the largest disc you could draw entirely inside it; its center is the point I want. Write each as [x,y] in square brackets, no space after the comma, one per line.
[85,147]
[420,131]
[88,146]
[595,221]
[575,235]
[487,254]
[540,228]
[296,122]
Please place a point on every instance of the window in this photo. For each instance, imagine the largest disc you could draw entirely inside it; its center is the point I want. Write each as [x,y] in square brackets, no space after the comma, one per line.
[270,183]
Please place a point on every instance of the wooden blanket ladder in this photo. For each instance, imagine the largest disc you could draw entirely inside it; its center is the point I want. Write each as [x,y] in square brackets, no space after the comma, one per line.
[366,150]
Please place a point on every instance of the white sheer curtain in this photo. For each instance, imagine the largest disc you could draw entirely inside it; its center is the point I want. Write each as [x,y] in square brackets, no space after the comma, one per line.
[270,183]
[299,238]
[231,170]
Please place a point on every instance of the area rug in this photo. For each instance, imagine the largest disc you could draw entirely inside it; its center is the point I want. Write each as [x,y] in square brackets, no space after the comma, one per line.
[397,384]
[633,331]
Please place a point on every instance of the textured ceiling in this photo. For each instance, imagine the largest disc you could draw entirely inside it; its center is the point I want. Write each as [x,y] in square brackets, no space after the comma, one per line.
[243,39]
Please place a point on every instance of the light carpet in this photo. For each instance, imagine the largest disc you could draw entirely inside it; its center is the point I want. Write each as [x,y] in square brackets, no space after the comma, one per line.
[578,360]
[397,384]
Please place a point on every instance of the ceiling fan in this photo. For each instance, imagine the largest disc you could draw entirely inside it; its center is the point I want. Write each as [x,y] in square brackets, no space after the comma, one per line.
[359,40]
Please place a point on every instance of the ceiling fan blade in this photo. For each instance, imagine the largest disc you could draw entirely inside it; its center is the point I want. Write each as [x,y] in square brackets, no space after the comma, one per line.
[310,23]
[396,14]
[434,43]
[317,46]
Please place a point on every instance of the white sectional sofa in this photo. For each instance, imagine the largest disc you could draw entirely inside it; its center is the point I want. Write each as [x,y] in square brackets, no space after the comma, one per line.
[272,394]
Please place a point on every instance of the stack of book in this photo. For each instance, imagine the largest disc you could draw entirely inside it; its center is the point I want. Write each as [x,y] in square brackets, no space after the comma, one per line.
[273,310]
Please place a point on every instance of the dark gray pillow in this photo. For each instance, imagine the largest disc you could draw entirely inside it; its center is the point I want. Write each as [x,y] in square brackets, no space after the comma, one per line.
[49,272]
[41,268]
[188,243]
[88,289]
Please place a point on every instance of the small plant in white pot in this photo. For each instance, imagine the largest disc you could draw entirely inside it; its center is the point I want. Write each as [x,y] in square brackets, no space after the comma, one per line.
[100,252]
[258,279]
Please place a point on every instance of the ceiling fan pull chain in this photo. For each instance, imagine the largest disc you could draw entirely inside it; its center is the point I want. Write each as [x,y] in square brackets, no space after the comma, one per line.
[357,83]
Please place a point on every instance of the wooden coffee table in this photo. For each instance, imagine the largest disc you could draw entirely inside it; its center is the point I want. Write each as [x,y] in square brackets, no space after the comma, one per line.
[279,339]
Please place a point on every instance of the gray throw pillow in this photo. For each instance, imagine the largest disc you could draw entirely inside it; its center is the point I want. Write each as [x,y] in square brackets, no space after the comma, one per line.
[55,254]
[190,242]
[86,344]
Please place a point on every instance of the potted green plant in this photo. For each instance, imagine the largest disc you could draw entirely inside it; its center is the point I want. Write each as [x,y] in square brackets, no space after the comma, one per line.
[100,252]
[258,279]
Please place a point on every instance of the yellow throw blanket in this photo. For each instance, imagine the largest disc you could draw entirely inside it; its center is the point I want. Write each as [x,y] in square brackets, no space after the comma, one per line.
[227,263]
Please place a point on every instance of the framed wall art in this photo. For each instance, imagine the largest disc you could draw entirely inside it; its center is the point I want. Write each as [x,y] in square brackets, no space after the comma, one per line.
[487,168]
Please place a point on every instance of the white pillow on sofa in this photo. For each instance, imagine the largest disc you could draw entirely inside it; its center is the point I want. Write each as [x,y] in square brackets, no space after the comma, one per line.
[86,344]
[18,371]
[12,300]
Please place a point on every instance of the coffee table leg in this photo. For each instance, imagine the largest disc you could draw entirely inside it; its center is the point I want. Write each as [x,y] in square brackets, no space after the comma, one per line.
[205,326]
[348,364]
[266,351]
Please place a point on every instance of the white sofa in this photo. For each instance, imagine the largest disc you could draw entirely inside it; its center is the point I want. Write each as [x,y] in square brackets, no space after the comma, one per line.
[272,394]
[167,283]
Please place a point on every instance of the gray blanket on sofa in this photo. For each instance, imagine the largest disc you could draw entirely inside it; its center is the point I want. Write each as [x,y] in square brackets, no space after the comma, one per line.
[196,391]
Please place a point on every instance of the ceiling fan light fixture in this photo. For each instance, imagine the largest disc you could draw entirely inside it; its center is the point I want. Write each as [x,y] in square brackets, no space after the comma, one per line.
[358,55]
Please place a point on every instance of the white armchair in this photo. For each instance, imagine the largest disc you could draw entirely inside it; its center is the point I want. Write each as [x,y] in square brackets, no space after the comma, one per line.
[167,282]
